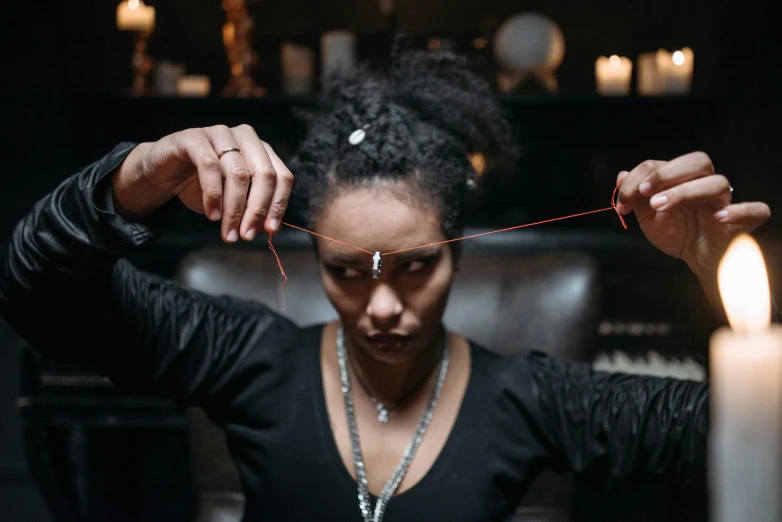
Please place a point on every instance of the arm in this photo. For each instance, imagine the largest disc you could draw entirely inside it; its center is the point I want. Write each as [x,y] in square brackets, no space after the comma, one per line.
[615,426]
[63,288]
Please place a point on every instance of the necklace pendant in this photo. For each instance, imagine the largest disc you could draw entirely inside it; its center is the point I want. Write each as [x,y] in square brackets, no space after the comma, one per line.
[382,410]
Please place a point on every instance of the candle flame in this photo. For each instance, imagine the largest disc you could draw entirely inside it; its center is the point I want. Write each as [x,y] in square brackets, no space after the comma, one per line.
[615,61]
[743,283]
[678,58]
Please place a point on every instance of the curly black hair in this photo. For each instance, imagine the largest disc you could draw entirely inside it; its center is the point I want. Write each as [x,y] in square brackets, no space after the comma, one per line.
[422,120]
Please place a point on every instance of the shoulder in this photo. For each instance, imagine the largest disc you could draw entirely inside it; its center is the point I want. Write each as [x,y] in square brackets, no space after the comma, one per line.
[508,398]
[503,375]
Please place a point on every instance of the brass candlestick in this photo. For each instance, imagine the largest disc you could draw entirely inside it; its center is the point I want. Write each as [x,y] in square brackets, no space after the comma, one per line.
[237,36]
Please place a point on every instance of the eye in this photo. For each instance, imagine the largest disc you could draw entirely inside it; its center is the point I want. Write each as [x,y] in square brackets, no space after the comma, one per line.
[343,272]
[414,266]
[418,265]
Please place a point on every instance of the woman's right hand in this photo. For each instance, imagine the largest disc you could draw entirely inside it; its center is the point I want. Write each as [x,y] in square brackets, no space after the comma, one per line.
[248,190]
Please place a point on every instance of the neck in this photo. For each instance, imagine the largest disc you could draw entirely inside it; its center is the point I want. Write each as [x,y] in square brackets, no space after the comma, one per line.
[390,382]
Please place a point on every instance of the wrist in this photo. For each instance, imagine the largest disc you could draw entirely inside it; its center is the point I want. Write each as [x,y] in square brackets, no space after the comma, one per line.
[707,277]
[134,197]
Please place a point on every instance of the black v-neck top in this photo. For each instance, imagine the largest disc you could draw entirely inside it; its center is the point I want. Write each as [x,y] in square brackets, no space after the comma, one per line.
[258,376]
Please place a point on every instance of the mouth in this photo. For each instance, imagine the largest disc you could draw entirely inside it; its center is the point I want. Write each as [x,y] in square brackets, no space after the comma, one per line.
[388,342]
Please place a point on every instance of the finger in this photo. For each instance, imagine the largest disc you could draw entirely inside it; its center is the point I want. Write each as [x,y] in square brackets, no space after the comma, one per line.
[677,171]
[712,190]
[749,215]
[282,192]
[237,180]
[264,180]
[628,190]
[195,145]
[622,209]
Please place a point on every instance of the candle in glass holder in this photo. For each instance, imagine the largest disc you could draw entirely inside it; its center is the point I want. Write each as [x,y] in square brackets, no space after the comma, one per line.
[745,447]
[134,15]
[613,75]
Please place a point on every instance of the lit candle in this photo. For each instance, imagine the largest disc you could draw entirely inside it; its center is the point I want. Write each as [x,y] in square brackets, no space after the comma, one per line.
[679,71]
[613,75]
[133,15]
[193,86]
[746,382]
[651,72]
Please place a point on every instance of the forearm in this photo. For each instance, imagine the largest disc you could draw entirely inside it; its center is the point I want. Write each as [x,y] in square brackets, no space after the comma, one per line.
[69,238]
[623,425]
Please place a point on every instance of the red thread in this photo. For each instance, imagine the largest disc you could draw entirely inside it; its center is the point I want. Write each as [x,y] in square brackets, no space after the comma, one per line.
[498,231]
[329,238]
[613,207]
[284,277]
[614,198]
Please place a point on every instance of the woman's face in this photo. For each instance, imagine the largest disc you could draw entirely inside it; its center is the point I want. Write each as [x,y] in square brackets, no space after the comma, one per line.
[396,317]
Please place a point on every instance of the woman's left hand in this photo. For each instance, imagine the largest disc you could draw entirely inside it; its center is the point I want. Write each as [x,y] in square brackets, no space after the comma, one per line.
[684,208]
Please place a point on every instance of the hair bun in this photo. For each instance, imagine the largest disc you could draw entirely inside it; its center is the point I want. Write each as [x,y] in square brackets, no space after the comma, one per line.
[442,90]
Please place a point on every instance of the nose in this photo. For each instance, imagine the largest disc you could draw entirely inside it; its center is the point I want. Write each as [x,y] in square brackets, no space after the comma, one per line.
[384,306]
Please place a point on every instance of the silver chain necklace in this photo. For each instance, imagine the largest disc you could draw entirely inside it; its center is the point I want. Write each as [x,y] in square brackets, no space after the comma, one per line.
[364,500]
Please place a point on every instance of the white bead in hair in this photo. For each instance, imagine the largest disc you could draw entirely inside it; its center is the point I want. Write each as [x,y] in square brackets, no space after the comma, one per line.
[357,136]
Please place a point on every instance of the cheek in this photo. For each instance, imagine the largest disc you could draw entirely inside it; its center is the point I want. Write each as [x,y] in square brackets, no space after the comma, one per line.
[348,299]
[429,299]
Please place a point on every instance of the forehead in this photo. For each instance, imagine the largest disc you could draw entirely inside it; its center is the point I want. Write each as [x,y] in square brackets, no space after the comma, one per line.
[379,218]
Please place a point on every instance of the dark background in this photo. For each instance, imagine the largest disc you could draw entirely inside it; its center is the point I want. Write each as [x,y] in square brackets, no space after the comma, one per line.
[66,69]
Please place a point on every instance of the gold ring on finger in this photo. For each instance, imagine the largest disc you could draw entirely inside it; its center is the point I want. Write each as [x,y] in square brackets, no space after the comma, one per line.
[226,151]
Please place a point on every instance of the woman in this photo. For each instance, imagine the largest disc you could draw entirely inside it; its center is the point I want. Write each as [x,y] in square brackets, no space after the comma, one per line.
[383,402]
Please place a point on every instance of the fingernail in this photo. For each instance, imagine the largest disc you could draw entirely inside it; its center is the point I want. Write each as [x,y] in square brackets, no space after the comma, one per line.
[215,214]
[659,201]
[250,234]
[622,176]
[232,235]
[645,188]
[273,225]
[721,215]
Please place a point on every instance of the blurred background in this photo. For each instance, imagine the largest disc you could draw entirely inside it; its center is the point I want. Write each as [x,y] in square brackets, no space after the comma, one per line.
[593,87]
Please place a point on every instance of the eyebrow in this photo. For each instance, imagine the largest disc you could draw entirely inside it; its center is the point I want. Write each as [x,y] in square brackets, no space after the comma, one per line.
[418,253]
[343,259]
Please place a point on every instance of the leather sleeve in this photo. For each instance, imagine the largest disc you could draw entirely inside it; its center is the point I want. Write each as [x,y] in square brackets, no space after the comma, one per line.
[66,290]
[615,426]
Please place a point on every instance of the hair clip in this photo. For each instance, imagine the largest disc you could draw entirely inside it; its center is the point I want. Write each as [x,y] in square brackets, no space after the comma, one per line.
[358,135]
[377,263]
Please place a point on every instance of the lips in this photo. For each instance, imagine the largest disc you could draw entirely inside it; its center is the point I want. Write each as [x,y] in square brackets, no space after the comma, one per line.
[388,342]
